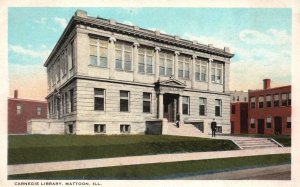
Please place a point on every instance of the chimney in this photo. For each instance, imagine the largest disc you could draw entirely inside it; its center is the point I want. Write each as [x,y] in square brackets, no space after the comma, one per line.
[267,83]
[16,94]
[81,13]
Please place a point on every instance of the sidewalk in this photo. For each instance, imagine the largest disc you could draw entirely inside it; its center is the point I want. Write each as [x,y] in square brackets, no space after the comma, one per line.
[135,160]
[276,171]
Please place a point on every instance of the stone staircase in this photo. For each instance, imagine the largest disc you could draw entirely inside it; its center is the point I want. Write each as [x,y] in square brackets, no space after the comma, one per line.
[252,143]
[184,130]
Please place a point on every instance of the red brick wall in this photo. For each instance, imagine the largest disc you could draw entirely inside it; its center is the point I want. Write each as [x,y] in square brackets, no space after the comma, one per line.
[240,118]
[17,123]
[264,113]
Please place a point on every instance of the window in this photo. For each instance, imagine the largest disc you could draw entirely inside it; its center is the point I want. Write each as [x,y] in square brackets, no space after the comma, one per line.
[125,128]
[72,100]
[245,98]
[184,66]
[269,103]
[260,102]
[233,98]
[185,105]
[165,64]
[99,128]
[72,55]
[63,103]
[269,123]
[290,99]
[66,103]
[147,102]
[145,60]
[232,109]
[219,129]
[218,106]
[216,72]
[252,123]
[124,101]
[276,100]
[98,52]
[39,110]
[202,106]
[284,99]
[238,98]
[123,56]
[252,102]
[70,128]
[19,109]
[288,123]
[99,99]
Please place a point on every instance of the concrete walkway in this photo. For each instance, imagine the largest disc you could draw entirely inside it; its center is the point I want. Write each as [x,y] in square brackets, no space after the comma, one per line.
[135,160]
[254,173]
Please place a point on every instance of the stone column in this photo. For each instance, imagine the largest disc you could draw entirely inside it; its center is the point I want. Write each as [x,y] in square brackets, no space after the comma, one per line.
[135,61]
[175,110]
[192,74]
[176,64]
[161,106]
[157,49]
[209,73]
[223,76]
[180,108]
[111,57]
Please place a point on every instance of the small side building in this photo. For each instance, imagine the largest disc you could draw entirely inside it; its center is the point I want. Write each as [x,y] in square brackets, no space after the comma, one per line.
[270,110]
[20,111]
[239,112]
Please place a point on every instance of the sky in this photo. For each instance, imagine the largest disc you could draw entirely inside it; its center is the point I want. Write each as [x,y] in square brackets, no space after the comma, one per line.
[260,38]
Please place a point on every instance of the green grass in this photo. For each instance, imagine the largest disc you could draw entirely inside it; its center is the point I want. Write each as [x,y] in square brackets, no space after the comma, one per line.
[47,148]
[285,140]
[164,170]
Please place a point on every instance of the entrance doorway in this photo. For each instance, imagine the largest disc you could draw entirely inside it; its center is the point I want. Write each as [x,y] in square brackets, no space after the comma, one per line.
[261,126]
[170,106]
[278,125]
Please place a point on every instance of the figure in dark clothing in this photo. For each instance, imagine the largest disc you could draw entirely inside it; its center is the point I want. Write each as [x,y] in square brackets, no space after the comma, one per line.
[177,120]
[213,127]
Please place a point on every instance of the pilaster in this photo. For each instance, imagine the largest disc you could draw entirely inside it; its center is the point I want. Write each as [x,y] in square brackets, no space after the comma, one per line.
[176,64]
[135,61]
[157,49]
[192,74]
[111,57]
[209,73]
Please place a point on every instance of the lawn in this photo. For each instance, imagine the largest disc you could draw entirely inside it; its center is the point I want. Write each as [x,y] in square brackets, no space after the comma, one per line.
[285,140]
[164,170]
[46,148]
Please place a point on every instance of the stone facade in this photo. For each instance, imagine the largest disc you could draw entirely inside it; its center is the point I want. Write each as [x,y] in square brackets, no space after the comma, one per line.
[105,77]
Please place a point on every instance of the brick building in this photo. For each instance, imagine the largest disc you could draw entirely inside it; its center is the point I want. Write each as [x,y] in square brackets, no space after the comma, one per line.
[106,77]
[239,112]
[22,110]
[239,117]
[270,110]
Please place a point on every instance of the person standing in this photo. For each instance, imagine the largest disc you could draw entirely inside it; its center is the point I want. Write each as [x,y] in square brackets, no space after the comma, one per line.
[213,127]
[177,120]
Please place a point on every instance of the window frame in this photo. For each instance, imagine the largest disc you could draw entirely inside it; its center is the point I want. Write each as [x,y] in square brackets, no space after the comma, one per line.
[99,47]
[186,104]
[99,128]
[125,98]
[202,106]
[97,96]
[218,114]
[19,109]
[125,128]
[39,112]
[124,49]
[148,101]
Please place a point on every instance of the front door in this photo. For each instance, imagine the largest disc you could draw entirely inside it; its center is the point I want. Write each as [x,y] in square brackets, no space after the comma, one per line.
[261,126]
[278,125]
[170,107]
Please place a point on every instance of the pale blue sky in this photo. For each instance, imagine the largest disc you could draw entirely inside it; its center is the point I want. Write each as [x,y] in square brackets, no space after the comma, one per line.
[259,38]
